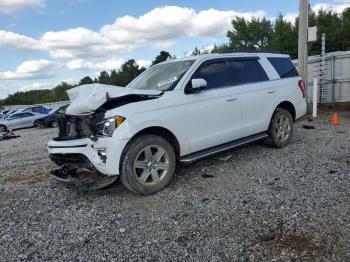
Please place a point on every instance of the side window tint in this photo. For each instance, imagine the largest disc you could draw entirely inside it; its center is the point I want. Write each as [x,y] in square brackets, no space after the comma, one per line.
[247,71]
[284,67]
[27,115]
[17,116]
[215,74]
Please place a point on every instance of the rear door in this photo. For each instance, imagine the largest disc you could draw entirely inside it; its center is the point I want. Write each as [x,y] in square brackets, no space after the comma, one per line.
[257,95]
[214,114]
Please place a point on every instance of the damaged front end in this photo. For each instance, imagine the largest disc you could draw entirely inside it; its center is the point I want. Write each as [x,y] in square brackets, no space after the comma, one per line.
[85,139]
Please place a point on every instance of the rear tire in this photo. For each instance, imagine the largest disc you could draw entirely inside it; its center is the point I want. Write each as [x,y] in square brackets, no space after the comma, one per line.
[281,128]
[39,123]
[148,165]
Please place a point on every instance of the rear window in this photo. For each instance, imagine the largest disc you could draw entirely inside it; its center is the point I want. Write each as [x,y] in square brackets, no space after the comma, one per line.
[247,71]
[283,66]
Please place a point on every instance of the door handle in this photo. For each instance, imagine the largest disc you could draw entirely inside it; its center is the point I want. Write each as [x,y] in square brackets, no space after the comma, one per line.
[231,98]
[271,91]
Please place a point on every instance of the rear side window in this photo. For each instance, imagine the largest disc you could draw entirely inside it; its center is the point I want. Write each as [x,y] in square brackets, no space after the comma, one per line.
[215,74]
[246,71]
[283,66]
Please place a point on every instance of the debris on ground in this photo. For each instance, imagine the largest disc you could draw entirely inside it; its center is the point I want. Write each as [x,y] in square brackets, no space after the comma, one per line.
[225,158]
[308,126]
[207,176]
[9,134]
[81,179]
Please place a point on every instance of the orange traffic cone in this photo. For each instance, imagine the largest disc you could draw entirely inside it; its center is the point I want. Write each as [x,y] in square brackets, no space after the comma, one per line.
[335,119]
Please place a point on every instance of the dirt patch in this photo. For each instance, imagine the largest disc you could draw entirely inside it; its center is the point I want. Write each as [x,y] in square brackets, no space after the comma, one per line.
[301,245]
[27,179]
[342,159]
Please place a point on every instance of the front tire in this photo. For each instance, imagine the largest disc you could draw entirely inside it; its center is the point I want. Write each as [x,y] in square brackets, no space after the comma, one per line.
[280,129]
[3,128]
[148,165]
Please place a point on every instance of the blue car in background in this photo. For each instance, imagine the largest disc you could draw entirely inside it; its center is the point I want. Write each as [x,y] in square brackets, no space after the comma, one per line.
[35,109]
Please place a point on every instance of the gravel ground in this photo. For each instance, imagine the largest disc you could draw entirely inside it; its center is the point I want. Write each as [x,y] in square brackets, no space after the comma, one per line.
[251,204]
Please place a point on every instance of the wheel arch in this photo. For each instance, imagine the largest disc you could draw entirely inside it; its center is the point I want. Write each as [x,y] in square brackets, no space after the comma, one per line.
[289,107]
[162,132]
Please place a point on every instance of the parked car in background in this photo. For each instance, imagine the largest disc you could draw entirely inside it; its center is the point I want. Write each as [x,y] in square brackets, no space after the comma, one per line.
[51,119]
[10,112]
[19,120]
[4,112]
[35,109]
[181,110]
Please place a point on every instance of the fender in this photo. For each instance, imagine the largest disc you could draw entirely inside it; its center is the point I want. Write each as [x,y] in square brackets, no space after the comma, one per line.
[129,129]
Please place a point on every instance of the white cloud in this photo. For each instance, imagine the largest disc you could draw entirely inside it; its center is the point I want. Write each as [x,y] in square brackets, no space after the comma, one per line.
[81,64]
[19,42]
[291,17]
[170,22]
[10,6]
[32,69]
[144,63]
[157,29]
[337,7]
[214,23]
[107,65]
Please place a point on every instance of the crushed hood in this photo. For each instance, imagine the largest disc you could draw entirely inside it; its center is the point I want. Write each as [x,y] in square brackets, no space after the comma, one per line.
[86,99]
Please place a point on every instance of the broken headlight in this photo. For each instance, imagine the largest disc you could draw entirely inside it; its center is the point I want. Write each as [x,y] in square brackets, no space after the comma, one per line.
[107,127]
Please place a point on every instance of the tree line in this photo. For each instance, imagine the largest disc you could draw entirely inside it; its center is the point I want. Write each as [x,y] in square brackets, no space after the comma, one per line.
[263,34]
[282,36]
[128,71]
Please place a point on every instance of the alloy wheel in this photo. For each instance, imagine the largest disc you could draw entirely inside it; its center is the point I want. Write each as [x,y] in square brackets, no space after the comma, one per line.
[151,165]
[282,128]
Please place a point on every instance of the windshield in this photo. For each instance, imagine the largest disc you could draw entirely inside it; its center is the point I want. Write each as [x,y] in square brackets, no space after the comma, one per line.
[163,77]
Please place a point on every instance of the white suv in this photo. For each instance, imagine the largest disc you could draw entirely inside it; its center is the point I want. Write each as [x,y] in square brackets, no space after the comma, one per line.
[180,110]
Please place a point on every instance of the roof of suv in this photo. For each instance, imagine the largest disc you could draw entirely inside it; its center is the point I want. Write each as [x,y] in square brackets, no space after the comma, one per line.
[228,55]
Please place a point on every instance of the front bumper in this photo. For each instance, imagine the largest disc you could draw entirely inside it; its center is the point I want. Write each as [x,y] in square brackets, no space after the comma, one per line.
[104,154]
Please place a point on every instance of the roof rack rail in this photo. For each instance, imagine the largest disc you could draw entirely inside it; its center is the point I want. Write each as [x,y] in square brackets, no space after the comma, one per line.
[249,51]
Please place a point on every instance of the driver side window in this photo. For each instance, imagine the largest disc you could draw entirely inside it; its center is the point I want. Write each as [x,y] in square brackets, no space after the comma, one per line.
[16,116]
[216,74]
[27,115]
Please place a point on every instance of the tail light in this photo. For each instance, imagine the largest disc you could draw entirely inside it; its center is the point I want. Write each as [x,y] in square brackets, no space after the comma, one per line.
[302,87]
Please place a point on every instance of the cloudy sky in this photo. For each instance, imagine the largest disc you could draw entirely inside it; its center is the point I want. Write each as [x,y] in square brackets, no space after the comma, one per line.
[43,42]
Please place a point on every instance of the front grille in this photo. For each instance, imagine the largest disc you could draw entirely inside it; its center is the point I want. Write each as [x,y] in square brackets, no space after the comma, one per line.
[71,127]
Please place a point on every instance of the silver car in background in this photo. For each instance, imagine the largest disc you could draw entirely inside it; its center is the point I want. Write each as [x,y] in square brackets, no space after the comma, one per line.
[19,120]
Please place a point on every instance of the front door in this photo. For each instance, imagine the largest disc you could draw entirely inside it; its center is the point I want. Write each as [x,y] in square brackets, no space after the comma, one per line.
[214,113]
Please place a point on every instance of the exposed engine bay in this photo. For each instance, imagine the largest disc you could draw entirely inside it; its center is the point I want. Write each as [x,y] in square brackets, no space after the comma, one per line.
[85,118]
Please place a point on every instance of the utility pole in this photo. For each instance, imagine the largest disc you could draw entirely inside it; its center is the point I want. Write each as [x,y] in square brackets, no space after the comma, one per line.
[323,91]
[303,40]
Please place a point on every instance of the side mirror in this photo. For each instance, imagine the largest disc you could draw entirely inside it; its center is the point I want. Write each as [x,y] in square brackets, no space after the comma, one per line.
[199,83]
[196,86]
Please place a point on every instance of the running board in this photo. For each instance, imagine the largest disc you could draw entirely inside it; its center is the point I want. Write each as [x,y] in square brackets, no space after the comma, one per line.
[206,153]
